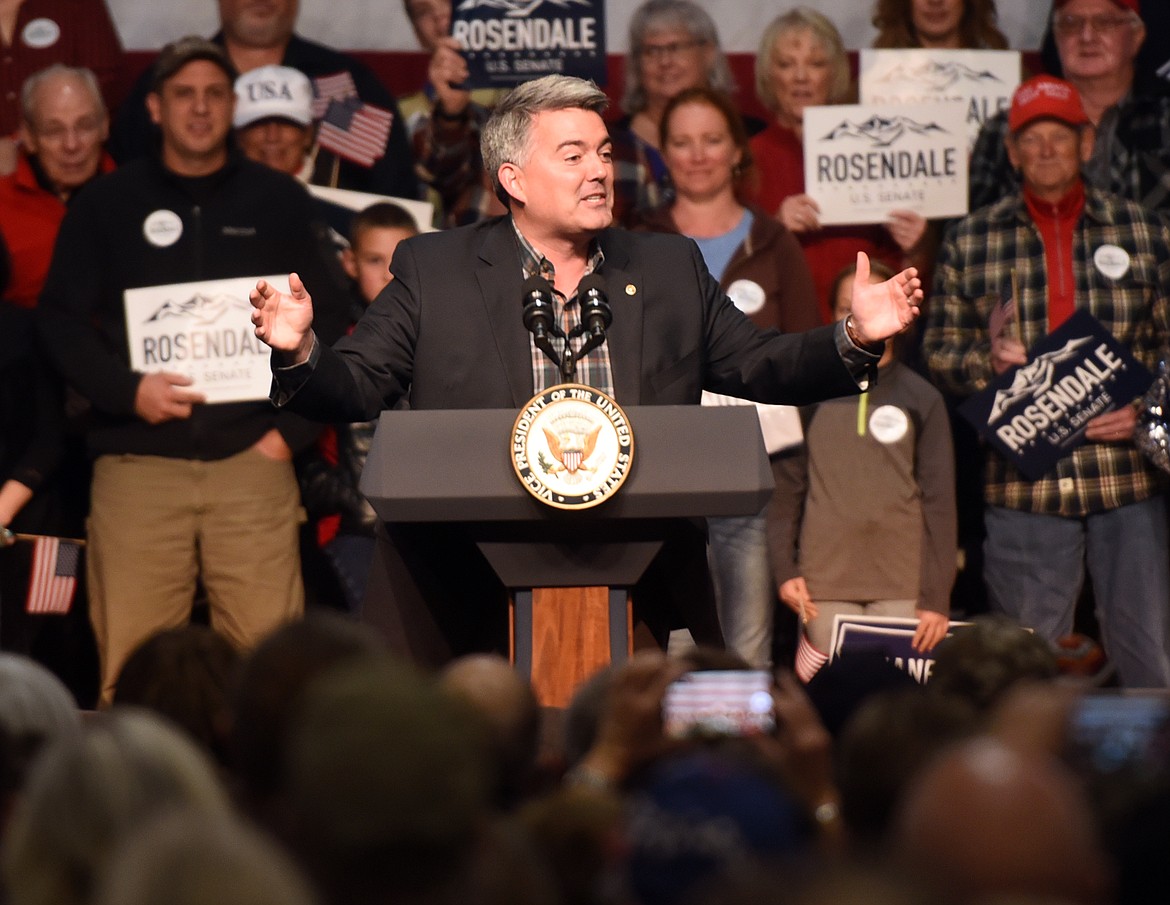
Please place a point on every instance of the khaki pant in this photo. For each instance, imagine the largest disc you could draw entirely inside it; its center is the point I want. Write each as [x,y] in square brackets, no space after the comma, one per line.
[820,630]
[156,524]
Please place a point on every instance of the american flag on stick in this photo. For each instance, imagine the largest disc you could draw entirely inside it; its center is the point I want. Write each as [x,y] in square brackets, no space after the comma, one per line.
[336,87]
[809,660]
[355,130]
[1003,315]
[54,575]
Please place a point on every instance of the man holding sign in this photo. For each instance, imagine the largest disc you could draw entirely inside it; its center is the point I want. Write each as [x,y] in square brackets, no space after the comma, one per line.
[193,473]
[1040,257]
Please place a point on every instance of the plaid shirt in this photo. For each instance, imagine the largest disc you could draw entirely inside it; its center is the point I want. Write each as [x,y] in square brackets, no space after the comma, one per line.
[447,156]
[594,369]
[974,265]
[1131,157]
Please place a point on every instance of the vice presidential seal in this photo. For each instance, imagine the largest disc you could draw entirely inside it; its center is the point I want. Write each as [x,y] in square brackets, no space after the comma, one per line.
[572,446]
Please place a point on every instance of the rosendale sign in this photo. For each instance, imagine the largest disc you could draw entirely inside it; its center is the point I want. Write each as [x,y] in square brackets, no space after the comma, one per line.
[203,330]
[1036,414]
[982,80]
[863,161]
[507,42]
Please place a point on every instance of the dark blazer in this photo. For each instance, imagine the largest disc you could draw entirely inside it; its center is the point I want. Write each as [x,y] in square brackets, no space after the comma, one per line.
[447,332]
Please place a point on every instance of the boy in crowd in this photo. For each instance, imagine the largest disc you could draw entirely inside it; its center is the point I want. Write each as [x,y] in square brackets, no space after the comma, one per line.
[329,477]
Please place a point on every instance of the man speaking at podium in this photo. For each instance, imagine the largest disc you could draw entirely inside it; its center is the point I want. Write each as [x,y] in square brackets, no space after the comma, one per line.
[447,333]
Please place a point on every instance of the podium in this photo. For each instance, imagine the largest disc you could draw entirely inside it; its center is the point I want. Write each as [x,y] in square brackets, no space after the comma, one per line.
[567,573]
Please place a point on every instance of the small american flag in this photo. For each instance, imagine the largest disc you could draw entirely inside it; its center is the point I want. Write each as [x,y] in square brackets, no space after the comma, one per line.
[326,88]
[1004,312]
[808,659]
[54,575]
[355,130]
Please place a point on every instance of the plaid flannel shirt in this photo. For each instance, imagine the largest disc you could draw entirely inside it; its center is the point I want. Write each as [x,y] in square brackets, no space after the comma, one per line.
[1136,164]
[448,159]
[594,369]
[974,265]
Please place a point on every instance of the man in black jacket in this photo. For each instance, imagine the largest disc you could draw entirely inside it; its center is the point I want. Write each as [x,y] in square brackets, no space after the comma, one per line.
[261,34]
[182,488]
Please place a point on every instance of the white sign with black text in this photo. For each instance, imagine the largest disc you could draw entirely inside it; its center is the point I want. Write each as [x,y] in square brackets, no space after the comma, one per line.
[984,80]
[863,161]
[203,330]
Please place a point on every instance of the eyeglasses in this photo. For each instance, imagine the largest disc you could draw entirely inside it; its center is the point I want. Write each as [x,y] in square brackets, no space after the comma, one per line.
[656,52]
[1068,24]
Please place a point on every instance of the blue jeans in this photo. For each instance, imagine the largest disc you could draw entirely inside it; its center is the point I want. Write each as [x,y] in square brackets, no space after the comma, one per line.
[1034,569]
[738,555]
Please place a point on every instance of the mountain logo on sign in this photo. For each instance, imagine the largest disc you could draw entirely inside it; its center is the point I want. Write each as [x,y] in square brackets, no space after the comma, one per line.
[937,76]
[519,8]
[1033,378]
[882,131]
[203,310]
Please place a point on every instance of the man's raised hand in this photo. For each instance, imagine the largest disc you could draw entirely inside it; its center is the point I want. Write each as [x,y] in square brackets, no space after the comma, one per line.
[284,320]
[882,310]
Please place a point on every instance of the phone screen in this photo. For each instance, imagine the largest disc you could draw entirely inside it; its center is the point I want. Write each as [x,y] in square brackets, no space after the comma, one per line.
[719,703]
[1113,732]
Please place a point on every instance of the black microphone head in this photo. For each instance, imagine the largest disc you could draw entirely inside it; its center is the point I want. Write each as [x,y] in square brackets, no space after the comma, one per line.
[592,286]
[594,302]
[536,295]
[536,288]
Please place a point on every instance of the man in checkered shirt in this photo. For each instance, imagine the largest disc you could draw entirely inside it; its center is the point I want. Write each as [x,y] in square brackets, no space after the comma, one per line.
[1097,42]
[1069,246]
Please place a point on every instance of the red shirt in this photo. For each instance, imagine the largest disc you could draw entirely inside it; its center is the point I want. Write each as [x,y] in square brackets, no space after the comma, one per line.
[73,32]
[779,157]
[29,219]
[1056,223]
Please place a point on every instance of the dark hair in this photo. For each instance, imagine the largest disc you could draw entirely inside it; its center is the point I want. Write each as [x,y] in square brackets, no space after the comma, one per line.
[185,674]
[179,53]
[382,215]
[745,172]
[977,29]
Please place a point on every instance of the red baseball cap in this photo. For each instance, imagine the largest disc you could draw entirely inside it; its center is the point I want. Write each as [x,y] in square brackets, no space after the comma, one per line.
[1134,5]
[1046,97]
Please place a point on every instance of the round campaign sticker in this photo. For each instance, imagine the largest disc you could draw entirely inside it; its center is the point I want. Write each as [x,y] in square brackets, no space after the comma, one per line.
[162,228]
[1111,261]
[748,295]
[41,33]
[888,424]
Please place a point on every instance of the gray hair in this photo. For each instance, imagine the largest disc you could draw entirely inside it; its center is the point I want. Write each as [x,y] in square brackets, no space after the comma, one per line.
[664,15]
[505,135]
[87,792]
[28,91]
[802,19]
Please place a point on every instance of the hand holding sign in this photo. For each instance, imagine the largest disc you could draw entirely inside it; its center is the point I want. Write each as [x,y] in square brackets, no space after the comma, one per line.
[1113,427]
[932,628]
[447,72]
[284,320]
[161,397]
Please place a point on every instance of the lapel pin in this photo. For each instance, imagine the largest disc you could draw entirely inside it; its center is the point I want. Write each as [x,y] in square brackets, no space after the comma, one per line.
[631,289]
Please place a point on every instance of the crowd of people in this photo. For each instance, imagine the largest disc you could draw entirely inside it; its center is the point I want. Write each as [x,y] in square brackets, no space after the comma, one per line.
[332,772]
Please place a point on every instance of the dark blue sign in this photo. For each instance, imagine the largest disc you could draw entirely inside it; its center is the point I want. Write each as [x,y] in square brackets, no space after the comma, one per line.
[889,636]
[506,42]
[1036,414]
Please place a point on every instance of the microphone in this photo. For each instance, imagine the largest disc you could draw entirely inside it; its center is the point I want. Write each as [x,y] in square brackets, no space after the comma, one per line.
[595,310]
[539,319]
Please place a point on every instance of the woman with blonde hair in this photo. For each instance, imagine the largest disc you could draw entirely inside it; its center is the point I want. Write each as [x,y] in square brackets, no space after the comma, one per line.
[802,63]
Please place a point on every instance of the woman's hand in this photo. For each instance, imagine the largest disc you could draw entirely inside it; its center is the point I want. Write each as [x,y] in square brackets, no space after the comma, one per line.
[799,214]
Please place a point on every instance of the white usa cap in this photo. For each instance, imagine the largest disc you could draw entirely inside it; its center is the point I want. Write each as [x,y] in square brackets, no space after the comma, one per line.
[273,92]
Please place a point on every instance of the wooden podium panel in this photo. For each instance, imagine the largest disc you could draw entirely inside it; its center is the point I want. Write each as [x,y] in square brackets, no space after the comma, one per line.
[562,636]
